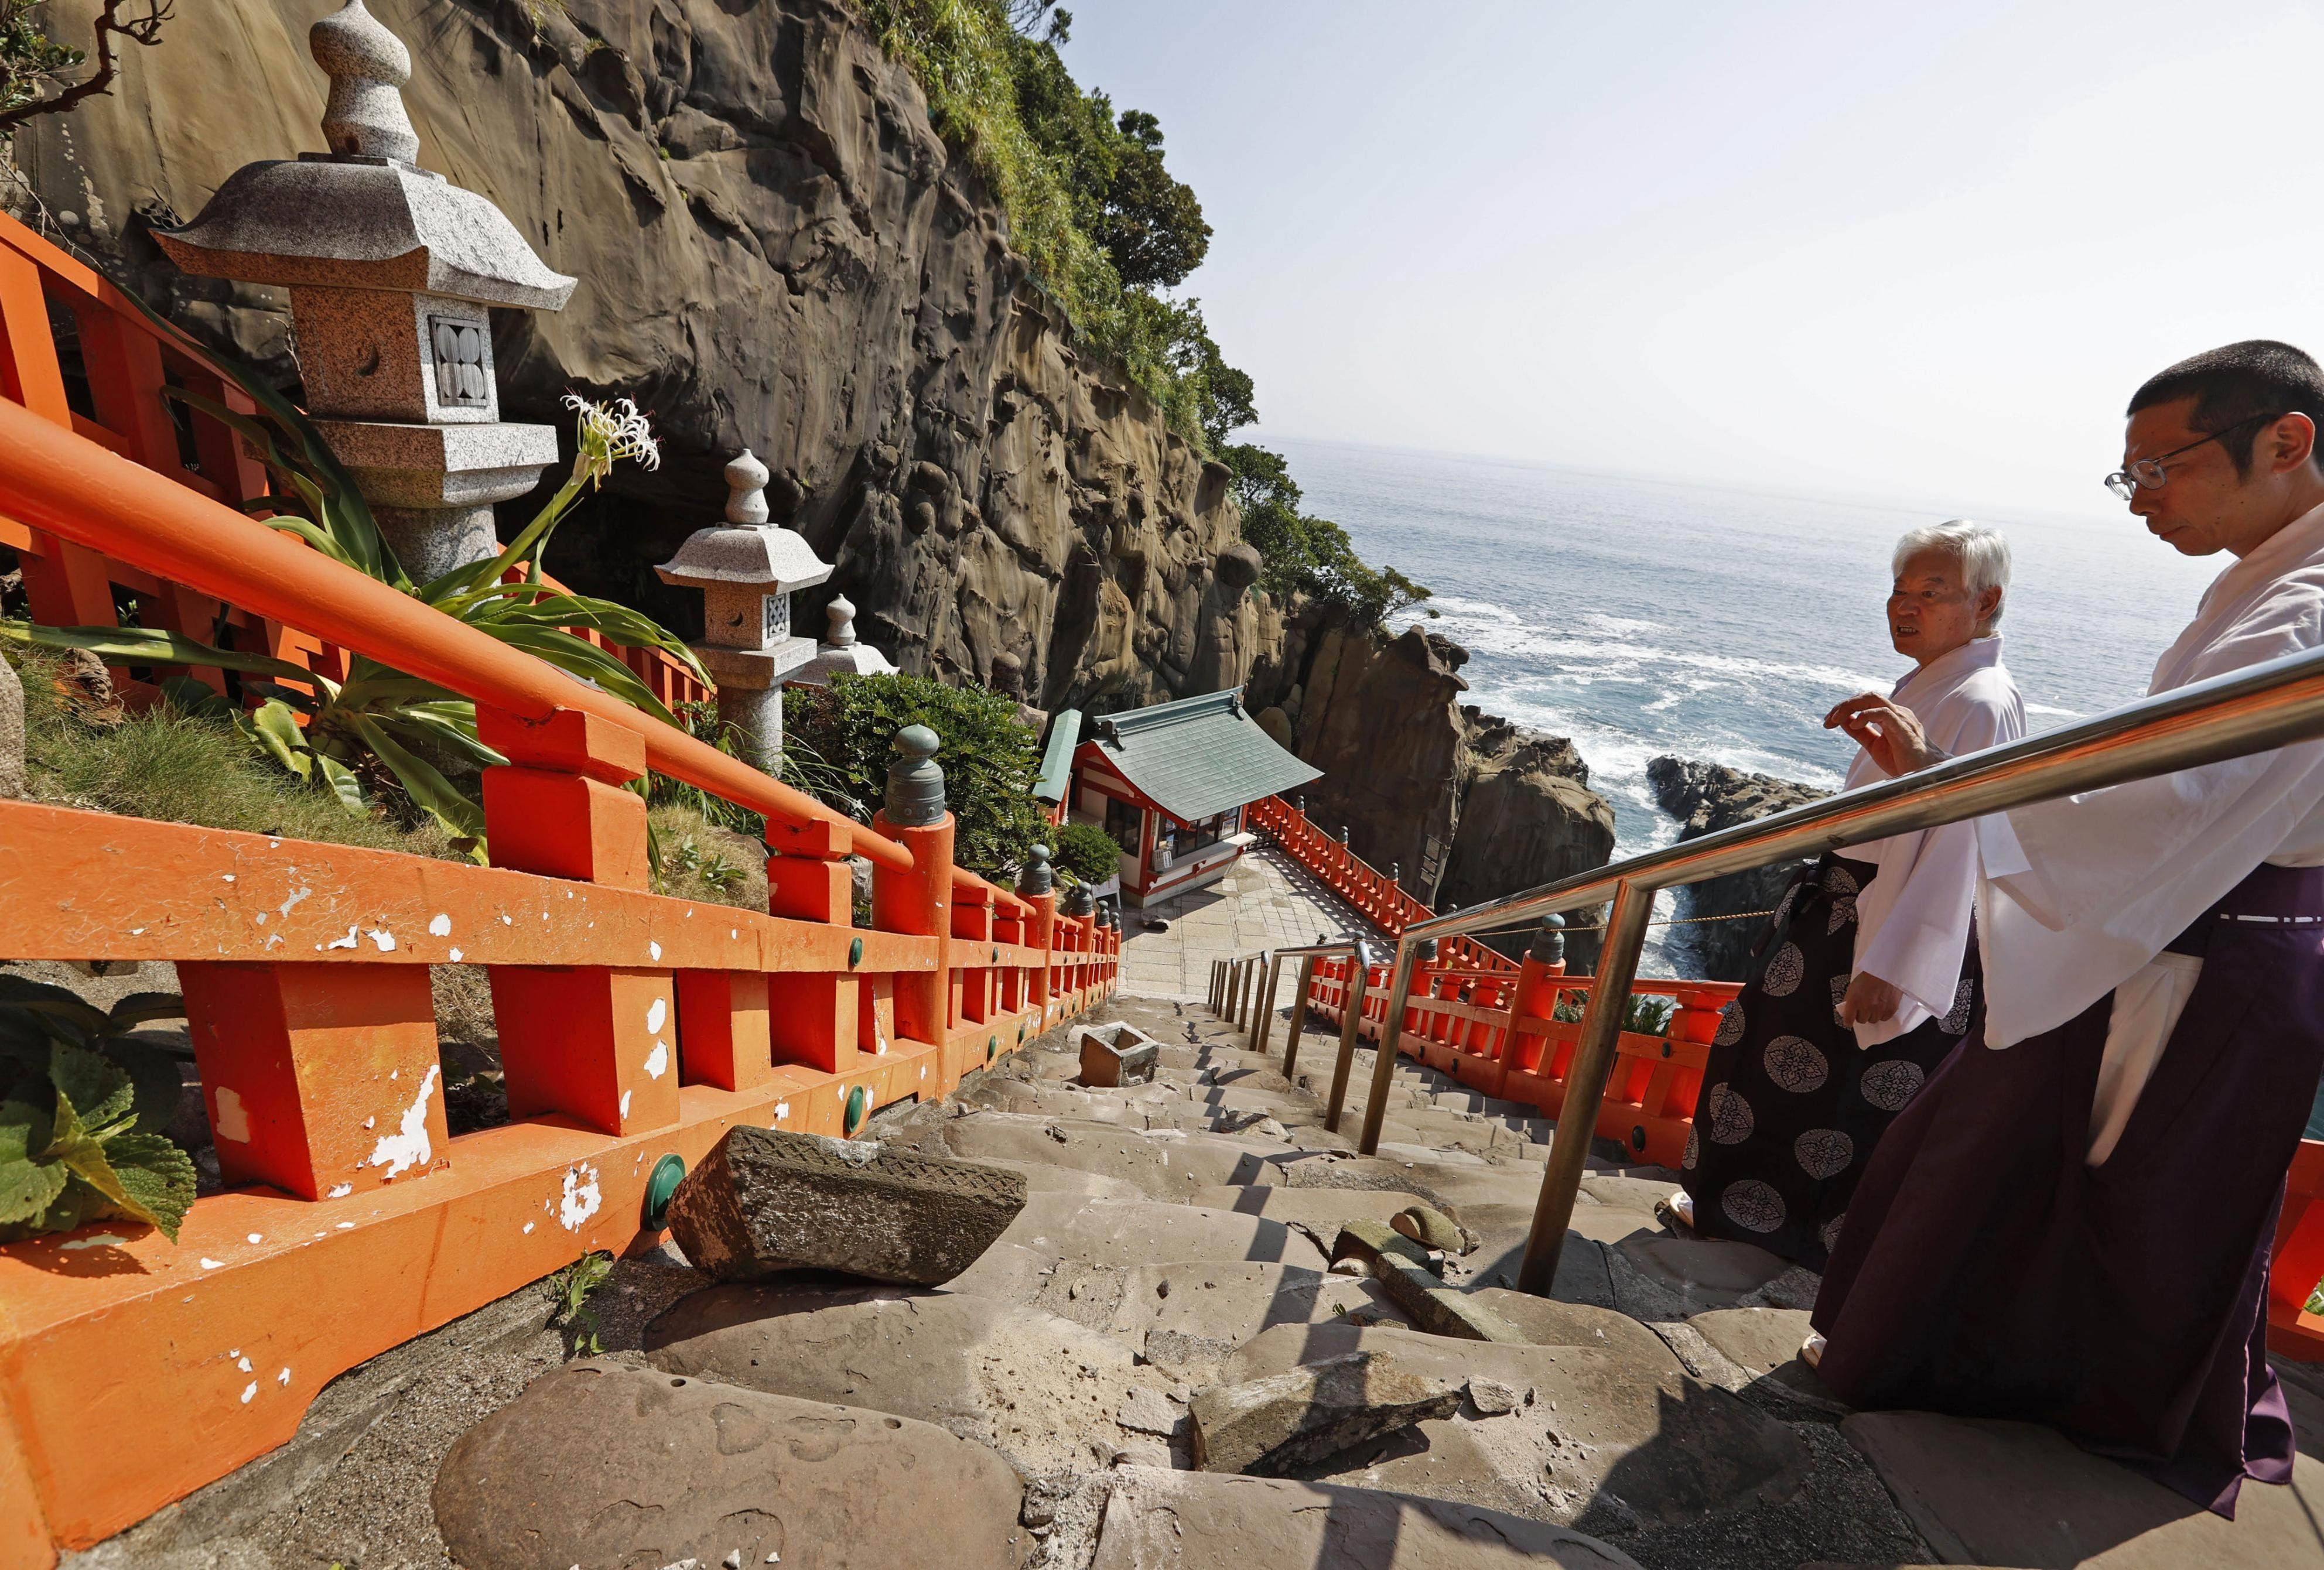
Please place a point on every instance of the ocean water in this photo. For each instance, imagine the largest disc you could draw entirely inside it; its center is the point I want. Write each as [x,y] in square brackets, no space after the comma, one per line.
[1641,617]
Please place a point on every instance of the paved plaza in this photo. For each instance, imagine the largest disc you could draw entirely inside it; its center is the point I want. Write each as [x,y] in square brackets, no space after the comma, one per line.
[1265,900]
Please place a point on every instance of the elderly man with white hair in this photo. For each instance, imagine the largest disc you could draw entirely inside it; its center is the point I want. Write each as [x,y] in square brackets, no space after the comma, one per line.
[1869,976]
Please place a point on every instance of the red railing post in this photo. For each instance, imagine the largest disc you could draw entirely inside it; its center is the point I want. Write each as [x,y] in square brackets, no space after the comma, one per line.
[815,1017]
[919,901]
[320,1078]
[594,1042]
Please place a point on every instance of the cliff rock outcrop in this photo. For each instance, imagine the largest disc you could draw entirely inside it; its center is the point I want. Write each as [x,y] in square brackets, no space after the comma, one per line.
[1466,805]
[1706,798]
[775,250]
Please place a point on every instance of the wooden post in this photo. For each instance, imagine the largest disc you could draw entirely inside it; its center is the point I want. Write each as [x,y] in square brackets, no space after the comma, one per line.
[1036,886]
[1298,1015]
[594,1043]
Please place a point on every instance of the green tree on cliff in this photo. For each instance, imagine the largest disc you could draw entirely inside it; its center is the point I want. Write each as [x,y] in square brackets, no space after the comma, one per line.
[1094,207]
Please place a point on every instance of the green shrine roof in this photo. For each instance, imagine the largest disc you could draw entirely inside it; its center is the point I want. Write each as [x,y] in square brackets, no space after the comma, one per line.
[1057,757]
[1199,756]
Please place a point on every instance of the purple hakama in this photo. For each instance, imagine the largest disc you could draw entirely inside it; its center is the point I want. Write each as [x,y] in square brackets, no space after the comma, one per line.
[1986,1269]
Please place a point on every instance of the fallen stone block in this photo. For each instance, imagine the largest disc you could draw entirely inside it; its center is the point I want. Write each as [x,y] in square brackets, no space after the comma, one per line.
[1430,1228]
[1492,1397]
[1401,1267]
[1116,1055]
[1199,1521]
[601,1464]
[763,1202]
[1275,1426]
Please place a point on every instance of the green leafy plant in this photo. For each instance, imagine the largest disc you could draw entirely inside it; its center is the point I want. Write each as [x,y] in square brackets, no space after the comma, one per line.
[1085,852]
[571,1288]
[990,759]
[1643,1014]
[381,732]
[82,1106]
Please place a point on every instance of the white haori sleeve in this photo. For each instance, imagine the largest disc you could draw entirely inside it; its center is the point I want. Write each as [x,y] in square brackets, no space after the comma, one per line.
[2080,893]
[1913,923]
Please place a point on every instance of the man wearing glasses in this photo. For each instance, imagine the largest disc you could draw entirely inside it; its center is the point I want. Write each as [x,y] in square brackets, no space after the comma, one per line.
[2070,1224]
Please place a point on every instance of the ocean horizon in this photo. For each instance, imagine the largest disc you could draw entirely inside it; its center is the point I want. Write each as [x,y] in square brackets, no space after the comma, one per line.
[1642,617]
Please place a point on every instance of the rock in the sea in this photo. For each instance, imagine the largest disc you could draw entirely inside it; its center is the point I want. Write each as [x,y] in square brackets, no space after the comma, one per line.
[600,1464]
[1274,1427]
[764,1201]
[1200,1521]
[1115,1054]
[1706,798]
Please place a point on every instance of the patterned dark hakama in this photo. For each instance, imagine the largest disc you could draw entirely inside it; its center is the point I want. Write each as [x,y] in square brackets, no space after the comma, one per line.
[1988,1271]
[1792,1106]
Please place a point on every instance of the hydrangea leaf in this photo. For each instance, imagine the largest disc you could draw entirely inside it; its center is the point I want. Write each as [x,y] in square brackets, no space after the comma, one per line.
[154,1078]
[156,1180]
[94,1091]
[28,1188]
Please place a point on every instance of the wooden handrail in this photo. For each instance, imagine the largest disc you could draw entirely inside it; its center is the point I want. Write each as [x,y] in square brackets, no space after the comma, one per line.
[79,492]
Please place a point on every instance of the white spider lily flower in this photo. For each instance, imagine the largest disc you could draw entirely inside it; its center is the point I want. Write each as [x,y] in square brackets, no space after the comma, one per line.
[607,433]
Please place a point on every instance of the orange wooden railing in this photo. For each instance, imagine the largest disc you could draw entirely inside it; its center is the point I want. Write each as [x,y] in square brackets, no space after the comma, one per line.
[1381,899]
[74,350]
[1492,1031]
[633,1028]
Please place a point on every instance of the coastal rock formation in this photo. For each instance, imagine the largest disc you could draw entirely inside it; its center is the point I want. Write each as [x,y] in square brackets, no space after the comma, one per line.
[775,250]
[1467,806]
[1706,798]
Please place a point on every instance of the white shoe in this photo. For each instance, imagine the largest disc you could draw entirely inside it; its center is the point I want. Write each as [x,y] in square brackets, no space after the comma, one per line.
[1682,1206]
[1812,1349]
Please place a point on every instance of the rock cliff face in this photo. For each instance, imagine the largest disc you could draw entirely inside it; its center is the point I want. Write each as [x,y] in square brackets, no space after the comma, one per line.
[1709,796]
[1467,806]
[775,250]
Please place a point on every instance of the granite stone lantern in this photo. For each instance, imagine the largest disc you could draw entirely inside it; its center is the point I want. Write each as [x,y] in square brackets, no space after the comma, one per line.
[840,653]
[747,571]
[392,271]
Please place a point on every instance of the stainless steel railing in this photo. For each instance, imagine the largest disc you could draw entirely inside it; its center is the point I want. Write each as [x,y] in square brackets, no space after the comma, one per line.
[2247,711]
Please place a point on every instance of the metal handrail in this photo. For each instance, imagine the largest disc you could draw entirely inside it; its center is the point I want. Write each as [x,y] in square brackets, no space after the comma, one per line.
[2228,717]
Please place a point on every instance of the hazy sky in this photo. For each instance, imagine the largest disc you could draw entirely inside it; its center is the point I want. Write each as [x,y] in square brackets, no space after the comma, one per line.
[1923,253]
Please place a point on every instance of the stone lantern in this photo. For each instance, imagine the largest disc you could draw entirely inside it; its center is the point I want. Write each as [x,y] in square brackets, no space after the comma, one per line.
[840,654]
[391,270]
[747,572]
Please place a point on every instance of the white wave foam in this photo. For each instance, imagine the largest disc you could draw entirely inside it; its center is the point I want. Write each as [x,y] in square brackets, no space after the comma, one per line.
[2062,712]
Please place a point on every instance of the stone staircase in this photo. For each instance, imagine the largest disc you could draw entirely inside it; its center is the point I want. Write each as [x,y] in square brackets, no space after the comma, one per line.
[1179,1236]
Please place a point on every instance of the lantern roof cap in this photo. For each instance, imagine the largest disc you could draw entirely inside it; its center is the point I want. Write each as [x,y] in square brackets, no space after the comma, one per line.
[363,214]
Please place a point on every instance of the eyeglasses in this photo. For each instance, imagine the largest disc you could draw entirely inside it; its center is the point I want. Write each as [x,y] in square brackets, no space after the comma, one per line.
[2149,473]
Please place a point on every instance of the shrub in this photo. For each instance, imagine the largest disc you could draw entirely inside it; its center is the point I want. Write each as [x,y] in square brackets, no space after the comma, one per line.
[990,759]
[169,763]
[1086,853]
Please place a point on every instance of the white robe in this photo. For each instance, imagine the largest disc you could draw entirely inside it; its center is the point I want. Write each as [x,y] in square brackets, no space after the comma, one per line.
[1913,922]
[2081,894]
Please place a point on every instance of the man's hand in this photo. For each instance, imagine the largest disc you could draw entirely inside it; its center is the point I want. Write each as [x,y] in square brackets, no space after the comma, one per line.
[1869,1001]
[1886,729]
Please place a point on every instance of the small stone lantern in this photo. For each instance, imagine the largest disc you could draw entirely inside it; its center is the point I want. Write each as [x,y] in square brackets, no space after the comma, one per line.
[840,654]
[391,270]
[747,572]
